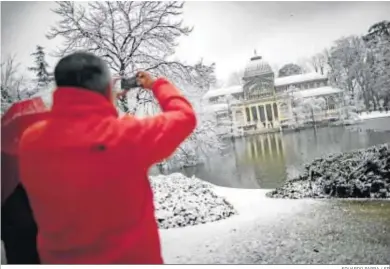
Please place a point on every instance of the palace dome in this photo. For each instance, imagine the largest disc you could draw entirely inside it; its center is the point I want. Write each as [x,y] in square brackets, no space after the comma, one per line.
[257,67]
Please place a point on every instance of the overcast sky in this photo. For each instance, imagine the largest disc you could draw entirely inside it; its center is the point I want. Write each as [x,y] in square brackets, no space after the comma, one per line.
[226,33]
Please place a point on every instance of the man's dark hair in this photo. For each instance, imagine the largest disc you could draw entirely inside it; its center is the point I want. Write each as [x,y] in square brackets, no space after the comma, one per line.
[83,70]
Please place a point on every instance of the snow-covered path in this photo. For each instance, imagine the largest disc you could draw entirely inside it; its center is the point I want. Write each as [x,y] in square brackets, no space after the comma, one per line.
[282,231]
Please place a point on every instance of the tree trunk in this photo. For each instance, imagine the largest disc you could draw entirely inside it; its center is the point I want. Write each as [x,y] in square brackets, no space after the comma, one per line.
[123,103]
[386,100]
[313,119]
[375,102]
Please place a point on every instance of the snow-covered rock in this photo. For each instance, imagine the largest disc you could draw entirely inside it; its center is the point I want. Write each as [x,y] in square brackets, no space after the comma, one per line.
[356,174]
[181,201]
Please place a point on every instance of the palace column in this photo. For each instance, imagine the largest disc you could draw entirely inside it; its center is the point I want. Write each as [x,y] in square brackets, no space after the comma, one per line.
[258,114]
[250,113]
[272,112]
[265,115]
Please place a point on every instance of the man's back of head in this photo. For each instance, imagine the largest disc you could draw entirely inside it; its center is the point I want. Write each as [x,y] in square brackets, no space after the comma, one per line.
[83,70]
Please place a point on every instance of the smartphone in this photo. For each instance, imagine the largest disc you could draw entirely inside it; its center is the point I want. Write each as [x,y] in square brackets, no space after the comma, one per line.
[129,83]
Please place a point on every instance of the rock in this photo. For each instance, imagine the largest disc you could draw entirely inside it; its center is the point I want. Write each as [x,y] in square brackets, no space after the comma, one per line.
[361,174]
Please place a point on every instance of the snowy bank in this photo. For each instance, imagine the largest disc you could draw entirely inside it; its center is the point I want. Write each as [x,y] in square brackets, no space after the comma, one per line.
[181,201]
[233,240]
[374,115]
[357,174]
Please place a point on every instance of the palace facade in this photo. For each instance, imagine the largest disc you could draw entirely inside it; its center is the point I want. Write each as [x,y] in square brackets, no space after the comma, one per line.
[263,103]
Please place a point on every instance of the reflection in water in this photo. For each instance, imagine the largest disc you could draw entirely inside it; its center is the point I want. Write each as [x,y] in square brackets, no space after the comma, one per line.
[266,161]
[265,153]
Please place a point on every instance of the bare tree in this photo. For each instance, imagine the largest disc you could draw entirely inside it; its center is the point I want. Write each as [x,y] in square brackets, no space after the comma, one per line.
[319,62]
[304,64]
[130,36]
[12,84]
[235,78]
[275,69]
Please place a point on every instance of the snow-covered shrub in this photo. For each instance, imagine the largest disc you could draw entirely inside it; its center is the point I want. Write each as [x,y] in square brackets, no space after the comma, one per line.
[358,174]
[181,201]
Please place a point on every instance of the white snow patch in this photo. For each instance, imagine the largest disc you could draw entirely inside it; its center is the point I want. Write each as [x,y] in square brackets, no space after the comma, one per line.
[373,115]
[223,91]
[299,78]
[316,92]
[216,107]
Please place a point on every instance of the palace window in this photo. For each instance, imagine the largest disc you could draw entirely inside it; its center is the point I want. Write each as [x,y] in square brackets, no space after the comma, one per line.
[276,111]
[269,112]
[239,116]
[262,113]
[248,115]
[254,113]
[331,103]
[213,99]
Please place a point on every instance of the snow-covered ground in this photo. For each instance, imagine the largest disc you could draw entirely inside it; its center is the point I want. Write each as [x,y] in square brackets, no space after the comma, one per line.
[197,242]
[373,115]
[282,231]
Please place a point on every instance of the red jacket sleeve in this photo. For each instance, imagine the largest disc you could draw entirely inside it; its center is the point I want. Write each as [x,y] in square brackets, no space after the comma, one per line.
[157,137]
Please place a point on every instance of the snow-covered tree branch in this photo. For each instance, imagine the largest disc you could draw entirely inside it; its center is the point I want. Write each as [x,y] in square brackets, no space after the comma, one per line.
[43,77]
[131,36]
[204,141]
[360,66]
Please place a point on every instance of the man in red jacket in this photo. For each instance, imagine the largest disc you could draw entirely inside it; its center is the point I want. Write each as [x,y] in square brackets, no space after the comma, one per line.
[86,171]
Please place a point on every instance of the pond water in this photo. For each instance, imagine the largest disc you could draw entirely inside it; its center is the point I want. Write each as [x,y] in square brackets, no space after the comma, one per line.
[266,161]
